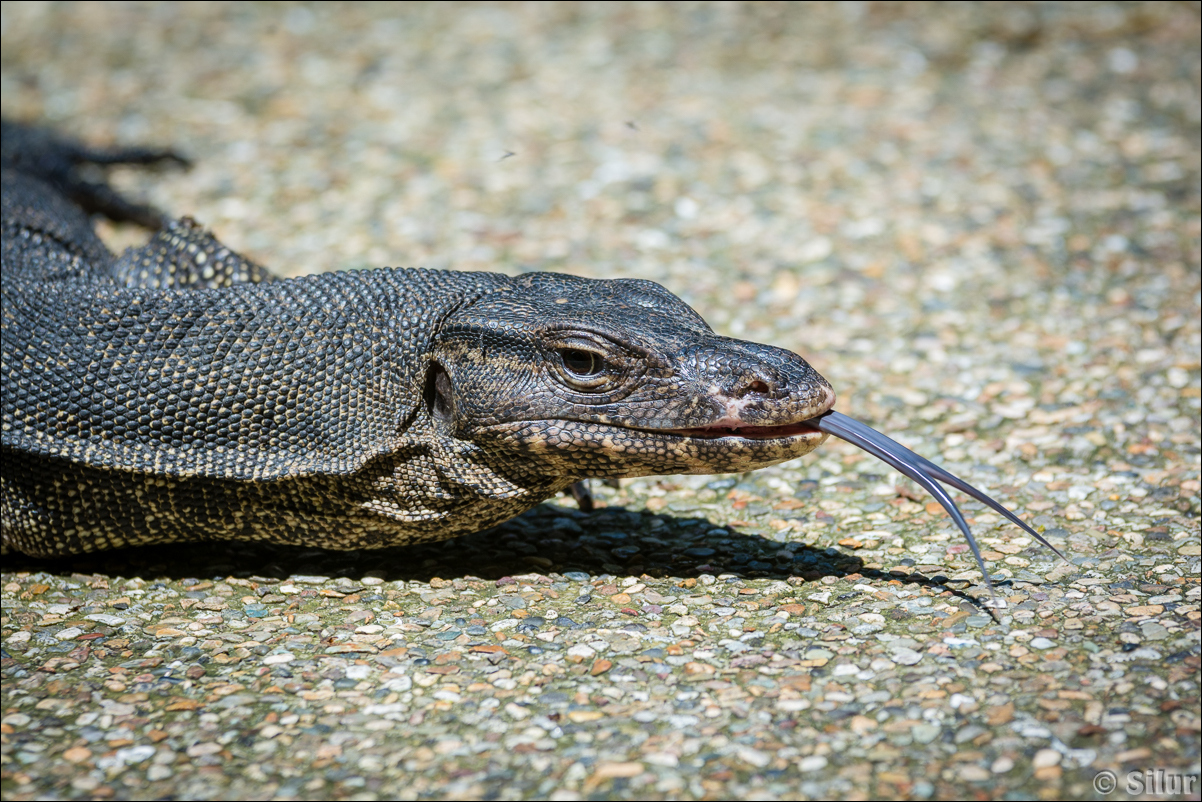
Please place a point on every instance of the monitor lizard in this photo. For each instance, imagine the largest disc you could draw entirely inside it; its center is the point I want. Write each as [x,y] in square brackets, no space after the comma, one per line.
[181,392]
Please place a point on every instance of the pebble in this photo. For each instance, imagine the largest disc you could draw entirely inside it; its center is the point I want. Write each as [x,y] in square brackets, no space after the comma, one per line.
[1045,758]
[811,764]
[925,733]
[905,657]
[1002,765]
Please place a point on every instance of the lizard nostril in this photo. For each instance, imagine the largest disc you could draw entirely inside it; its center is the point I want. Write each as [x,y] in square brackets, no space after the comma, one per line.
[756,387]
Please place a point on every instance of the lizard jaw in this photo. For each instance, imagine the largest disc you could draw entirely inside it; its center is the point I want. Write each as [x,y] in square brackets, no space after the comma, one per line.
[714,431]
[732,424]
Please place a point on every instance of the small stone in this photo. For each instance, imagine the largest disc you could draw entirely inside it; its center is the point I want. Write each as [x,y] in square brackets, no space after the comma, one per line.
[905,657]
[666,759]
[924,733]
[969,732]
[753,757]
[811,763]
[583,716]
[1153,631]
[1137,611]
[609,771]
[516,711]
[1045,758]
[77,754]
[135,754]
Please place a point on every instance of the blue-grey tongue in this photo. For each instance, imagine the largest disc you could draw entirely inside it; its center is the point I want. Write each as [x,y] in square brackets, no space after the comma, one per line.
[925,473]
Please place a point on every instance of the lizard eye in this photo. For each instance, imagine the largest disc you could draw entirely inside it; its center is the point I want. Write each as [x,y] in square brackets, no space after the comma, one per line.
[581,363]
[582,366]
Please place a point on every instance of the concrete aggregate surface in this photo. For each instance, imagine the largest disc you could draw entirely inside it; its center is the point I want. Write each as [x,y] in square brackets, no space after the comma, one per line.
[980,222]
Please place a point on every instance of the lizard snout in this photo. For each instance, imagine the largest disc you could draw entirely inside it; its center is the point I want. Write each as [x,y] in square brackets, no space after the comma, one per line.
[746,384]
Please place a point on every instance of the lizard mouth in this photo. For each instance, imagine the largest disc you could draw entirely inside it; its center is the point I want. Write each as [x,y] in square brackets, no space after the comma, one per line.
[731,425]
[747,432]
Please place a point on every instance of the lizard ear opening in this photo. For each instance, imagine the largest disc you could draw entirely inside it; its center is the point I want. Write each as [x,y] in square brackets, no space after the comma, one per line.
[438,394]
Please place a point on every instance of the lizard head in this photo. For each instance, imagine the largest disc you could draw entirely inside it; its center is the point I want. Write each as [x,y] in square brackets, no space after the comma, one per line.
[617,378]
[585,378]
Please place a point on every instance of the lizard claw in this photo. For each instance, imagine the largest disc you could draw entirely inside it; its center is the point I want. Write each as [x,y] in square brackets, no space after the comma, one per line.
[55,160]
[583,495]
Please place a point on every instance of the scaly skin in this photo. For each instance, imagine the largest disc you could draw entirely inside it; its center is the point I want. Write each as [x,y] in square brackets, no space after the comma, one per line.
[179,392]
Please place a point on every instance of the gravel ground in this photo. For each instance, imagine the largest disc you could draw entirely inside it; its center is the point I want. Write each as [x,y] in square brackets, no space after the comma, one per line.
[981,223]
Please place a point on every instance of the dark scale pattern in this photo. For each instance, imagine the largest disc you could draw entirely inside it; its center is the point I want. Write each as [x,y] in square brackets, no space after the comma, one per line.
[181,393]
[184,255]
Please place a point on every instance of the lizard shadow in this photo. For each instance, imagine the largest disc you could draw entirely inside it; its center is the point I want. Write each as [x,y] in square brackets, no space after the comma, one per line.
[549,539]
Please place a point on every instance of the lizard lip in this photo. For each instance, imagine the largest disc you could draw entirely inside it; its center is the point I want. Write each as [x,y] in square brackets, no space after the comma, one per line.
[747,432]
[731,426]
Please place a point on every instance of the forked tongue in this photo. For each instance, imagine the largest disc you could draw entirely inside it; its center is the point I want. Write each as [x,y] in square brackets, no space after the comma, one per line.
[925,473]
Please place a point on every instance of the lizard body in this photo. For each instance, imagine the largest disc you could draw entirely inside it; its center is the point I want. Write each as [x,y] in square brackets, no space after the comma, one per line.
[181,392]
